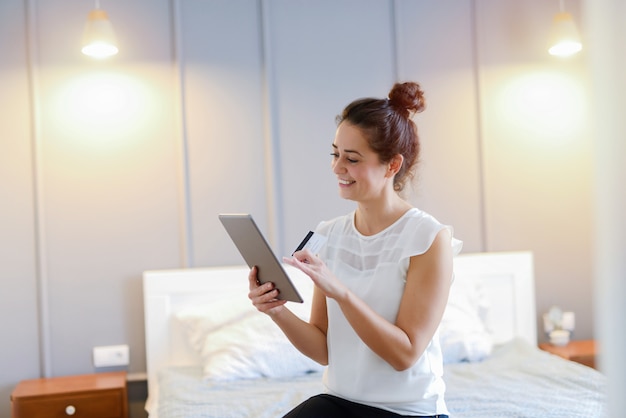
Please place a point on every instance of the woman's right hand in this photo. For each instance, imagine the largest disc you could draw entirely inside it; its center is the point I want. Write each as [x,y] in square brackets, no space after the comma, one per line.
[264,296]
[320,274]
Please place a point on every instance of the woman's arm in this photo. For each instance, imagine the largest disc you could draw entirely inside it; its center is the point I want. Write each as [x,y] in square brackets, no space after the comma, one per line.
[308,337]
[421,308]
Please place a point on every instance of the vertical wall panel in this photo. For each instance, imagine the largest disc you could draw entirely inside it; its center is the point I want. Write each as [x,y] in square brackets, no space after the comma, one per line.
[325,56]
[109,176]
[435,48]
[222,73]
[19,351]
[537,152]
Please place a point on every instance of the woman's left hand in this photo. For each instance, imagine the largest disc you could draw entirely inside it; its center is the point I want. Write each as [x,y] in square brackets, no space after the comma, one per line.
[316,269]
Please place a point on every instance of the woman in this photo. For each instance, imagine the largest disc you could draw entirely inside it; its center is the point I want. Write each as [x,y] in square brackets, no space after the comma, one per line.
[382,279]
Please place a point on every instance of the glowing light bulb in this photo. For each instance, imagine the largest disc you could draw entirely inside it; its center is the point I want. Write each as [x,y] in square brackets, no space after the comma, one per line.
[99,38]
[565,40]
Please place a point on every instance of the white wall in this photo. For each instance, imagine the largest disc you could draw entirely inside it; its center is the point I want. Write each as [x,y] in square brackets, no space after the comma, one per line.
[111,168]
[604,20]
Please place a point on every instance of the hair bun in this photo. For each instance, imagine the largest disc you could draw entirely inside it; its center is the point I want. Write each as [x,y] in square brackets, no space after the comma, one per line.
[407,98]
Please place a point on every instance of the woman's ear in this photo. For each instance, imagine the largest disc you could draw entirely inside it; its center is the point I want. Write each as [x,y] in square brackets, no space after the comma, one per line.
[395,165]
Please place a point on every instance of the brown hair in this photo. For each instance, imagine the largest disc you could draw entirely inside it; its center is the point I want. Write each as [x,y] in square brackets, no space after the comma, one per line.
[388,127]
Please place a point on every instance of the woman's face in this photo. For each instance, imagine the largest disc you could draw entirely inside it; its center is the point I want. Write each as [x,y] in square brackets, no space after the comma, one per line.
[361,175]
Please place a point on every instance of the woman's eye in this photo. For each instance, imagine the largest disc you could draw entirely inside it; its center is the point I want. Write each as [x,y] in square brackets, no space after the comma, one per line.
[335,156]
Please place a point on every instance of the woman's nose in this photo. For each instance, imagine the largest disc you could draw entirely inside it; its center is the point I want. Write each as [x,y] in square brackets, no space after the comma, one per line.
[337,167]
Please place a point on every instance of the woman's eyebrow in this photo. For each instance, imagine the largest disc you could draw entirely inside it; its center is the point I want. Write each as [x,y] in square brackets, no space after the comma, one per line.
[348,150]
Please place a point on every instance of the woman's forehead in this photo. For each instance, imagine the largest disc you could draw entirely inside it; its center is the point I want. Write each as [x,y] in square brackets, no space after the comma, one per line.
[350,138]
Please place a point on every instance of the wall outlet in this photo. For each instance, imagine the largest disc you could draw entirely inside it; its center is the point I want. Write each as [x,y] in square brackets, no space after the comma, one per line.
[110,356]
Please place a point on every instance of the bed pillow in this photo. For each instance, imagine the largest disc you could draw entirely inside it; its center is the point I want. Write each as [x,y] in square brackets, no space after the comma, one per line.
[235,341]
[250,348]
[463,333]
[198,321]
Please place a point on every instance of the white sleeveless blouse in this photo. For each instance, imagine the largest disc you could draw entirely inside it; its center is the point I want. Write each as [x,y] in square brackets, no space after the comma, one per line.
[374,268]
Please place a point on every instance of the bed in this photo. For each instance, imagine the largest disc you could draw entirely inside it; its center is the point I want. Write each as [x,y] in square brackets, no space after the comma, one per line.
[209,354]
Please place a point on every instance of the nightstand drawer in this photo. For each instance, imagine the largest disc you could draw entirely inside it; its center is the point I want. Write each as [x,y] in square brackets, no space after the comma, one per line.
[95,405]
[101,395]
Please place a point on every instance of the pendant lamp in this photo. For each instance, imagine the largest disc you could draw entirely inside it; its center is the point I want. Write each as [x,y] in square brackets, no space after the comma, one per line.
[99,38]
[564,39]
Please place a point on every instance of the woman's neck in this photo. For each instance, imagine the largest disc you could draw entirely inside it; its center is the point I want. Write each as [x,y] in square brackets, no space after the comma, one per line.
[373,217]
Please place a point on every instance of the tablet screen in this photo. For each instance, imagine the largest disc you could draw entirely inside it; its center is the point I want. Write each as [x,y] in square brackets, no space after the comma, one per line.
[256,251]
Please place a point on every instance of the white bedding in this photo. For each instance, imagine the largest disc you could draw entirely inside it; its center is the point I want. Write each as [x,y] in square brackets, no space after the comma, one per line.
[183,394]
[517,380]
[205,355]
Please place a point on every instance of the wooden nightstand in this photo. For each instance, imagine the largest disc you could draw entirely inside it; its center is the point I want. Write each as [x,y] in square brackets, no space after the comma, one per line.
[101,395]
[583,352]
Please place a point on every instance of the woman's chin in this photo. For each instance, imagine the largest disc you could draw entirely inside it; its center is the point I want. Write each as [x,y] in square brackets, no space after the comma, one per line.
[345,195]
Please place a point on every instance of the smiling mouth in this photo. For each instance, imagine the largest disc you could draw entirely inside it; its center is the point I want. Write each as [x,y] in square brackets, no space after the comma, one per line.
[346,182]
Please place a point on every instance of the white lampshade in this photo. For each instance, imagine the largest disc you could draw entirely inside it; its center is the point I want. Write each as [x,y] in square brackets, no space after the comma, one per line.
[99,38]
[565,39]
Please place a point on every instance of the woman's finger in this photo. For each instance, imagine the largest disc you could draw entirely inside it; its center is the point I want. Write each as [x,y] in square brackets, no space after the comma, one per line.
[253,280]
[305,256]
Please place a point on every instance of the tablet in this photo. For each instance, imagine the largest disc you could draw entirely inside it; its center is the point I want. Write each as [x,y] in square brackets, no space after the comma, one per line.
[256,251]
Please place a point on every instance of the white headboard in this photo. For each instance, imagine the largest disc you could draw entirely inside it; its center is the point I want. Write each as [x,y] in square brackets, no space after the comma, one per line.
[508,280]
